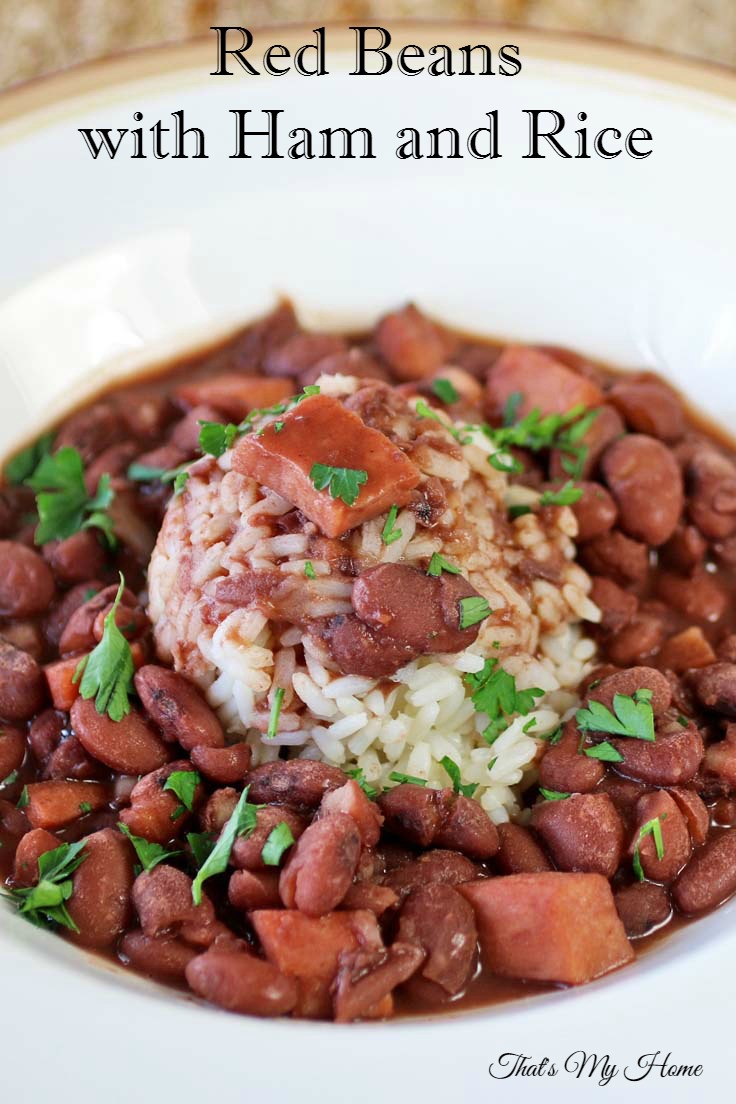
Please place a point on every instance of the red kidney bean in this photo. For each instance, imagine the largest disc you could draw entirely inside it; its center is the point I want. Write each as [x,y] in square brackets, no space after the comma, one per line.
[45,734]
[26,636]
[675,837]
[298,782]
[22,685]
[720,758]
[465,826]
[671,760]
[617,605]
[218,810]
[350,799]
[131,621]
[178,709]
[595,511]
[240,982]
[583,833]
[711,482]
[442,923]
[623,792]
[12,750]
[223,764]
[646,482]
[248,889]
[354,362]
[26,582]
[78,633]
[606,428]
[77,558]
[628,682]
[368,895]
[685,550]
[695,812]
[91,430]
[697,596]
[519,852]
[157,814]
[641,638]
[157,958]
[320,869]
[649,407]
[100,900]
[59,802]
[724,812]
[642,907]
[64,609]
[185,434]
[447,867]
[726,650]
[246,852]
[685,650]
[413,346]
[12,819]
[130,745]
[715,687]
[411,812]
[300,352]
[29,850]
[114,461]
[710,876]
[365,980]
[163,901]
[617,557]
[545,384]
[70,760]
[565,768]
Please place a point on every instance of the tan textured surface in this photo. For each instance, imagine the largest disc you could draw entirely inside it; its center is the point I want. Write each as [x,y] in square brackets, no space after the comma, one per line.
[39,36]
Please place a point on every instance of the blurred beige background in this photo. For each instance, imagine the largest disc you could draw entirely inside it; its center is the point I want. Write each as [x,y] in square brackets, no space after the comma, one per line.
[39,36]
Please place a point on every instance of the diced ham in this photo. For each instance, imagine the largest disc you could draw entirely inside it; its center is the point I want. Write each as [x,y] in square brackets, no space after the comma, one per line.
[319,430]
[549,927]
[543,382]
[236,395]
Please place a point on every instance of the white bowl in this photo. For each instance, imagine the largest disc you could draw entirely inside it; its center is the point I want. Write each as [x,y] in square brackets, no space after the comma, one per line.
[108,265]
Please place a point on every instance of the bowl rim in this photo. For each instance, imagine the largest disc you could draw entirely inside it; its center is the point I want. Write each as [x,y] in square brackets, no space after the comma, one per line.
[572,47]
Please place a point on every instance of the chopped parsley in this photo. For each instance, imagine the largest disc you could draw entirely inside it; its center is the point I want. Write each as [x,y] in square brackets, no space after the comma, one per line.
[107,672]
[494,692]
[280,839]
[241,822]
[23,800]
[425,411]
[390,533]
[64,507]
[357,774]
[438,564]
[344,483]
[445,391]
[567,494]
[201,844]
[144,473]
[511,407]
[473,611]
[273,721]
[149,854]
[215,438]
[553,795]
[309,570]
[632,716]
[22,466]
[505,462]
[85,807]
[519,511]
[606,752]
[12,777]
[184,785]
[453,772]
[535,431]
[682,721]
[45,903]
[651,828]
[398,776]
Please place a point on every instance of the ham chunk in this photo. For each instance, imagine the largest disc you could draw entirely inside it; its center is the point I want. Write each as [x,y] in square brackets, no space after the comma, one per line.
[549,927]
[319,430]
[234,394]
[543,382]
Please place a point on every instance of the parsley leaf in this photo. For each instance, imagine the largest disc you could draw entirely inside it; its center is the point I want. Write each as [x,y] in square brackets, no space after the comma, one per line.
[473,611]
[438,564]
[279,840]
[149,854]
[425,411]
[309,570]
[519,511]
[494,693]
[357,774]
[202,844]
[511,407]
[344,483]
[397,776]
[565,496]
[64,507]
[445,391]
[107,672]
[184,784]
[651,828]
[215,439]
[453,771]
[241,823]
[45,903]
[551,431]
[23,800]
[505,462]
[633,717]
[606,752]
[389,533]
[553,795]
[22,466]
[273,721]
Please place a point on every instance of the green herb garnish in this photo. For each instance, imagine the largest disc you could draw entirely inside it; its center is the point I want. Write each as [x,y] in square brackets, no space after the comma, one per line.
[344,483]
[606,752]
[632,716]
[184,785]
[357,774]
[505,462]
[445,391]
[107,672]
[273,721]
[438,564]
[553,795]
[519,511]
[309,570]
[45,903]
[64,507]
[149,854]
[389,534]
[279,840]
[425,411]
[398,776]
[23,800]
[473,611]
[651,828]
[241,822]
[565,496]
[215,439]
[494,692]
[85,807]
[453,772]
[22,466]
[202,844]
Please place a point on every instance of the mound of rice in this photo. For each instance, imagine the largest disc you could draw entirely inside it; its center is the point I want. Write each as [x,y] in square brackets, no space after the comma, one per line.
[225,525]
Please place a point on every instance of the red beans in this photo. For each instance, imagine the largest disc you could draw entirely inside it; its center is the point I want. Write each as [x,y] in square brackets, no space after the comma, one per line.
[641,638]
[158,958]
[676,845]
[617,605]
[544,383]
[365,980]
[447,867]
[223,764]
[130,746]
[565,768]
[173,703]
[100,900]
[157,814]
[519,852]
[77,558]
[711,480]
[710,876]
[319,870]
[411,812]
[466,827]
[607,427]
[715,687]
[671,760]
[26,582]
[412,345]
[350,799]
[240,982]
[697,596]
[649,407]
[29,850]
[695,813]
[163,901]
[595,511]
[583,833]
[295,782]
[646,483]
[249,890]
[301,352]
[442,923]
[642,908]
[686,650]
[617,557]
[247,850]
[628,682]
[22,685]
[12,750]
